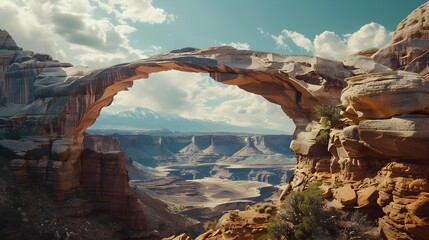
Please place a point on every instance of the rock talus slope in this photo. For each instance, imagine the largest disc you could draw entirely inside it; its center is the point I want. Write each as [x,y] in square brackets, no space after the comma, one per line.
[46,106]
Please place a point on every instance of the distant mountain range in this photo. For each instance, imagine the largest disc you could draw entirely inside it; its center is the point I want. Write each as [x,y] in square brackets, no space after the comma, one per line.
[143,119]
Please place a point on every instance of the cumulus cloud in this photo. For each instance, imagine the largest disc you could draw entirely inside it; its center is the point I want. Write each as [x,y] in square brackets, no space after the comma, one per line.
[25,28]
[70,29]
[237,45]
[299,39]
[198,96]
[329,44]
[136,10]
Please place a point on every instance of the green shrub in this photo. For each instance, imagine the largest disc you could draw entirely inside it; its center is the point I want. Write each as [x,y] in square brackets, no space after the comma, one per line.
[302,216]
[262,208]
[323,136]
[329,116]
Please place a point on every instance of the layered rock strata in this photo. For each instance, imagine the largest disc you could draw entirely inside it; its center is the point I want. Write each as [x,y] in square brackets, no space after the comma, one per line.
[378,159]
[46,106]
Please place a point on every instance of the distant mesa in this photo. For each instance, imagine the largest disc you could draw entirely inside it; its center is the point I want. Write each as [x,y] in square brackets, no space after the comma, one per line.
[155,151]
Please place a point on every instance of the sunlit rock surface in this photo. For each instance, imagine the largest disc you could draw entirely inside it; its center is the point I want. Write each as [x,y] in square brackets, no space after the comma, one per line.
[409,47]
[46,106]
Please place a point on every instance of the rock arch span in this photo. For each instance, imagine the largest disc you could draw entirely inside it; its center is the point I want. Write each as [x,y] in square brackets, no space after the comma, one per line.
[51,104]
[46,106]
[296,83]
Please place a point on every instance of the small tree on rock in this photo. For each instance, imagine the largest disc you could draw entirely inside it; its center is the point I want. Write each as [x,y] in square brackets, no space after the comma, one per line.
[330,117]
[302,216]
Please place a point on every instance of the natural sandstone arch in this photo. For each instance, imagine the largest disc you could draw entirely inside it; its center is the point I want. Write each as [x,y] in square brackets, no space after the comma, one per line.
[57,102]
[296,83]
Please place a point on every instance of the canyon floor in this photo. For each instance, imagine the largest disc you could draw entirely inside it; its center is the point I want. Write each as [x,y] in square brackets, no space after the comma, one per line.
[206,197]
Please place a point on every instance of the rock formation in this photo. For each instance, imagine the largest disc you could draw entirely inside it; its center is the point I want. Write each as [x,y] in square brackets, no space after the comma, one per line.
[160,150]
[378,158]
[409,47]
[46,106]
[101,143]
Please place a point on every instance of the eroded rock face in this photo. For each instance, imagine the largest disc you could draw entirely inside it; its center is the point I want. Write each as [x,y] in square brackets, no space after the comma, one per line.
[378,160]
[403,137]
[105,179]
[380,96]
[409,47]
[46,106]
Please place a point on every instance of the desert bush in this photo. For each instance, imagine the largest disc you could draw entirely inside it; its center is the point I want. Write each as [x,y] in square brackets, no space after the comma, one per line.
[262,208]
[323,136]
[329,116]
[355,225]
[302,216]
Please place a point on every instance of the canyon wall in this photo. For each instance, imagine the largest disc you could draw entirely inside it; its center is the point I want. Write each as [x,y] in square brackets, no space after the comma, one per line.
[376,159]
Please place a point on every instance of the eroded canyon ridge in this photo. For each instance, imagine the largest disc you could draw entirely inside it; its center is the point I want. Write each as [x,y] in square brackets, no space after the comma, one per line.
[379,158]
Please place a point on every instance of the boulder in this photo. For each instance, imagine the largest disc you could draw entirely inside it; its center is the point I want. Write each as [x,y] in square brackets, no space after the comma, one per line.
[6,41]
[305,143]
[375,96]
[403,137]
[367,196]
[345,195]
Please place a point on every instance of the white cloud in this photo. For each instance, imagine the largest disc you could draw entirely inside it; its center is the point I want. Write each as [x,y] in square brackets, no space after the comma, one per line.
[331,45]
[369,36]
[26,30]
[198,96]
[70,29]
[136,10]
[297,38]
[237,45]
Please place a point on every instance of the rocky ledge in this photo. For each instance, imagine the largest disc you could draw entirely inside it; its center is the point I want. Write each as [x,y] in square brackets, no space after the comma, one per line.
[377,159]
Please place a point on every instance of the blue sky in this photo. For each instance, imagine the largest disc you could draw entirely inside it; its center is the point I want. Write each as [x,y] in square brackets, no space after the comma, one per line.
[104,32]
[202,23]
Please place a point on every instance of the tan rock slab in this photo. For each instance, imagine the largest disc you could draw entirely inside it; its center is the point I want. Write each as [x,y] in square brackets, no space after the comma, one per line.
[345,195]
[367,196]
